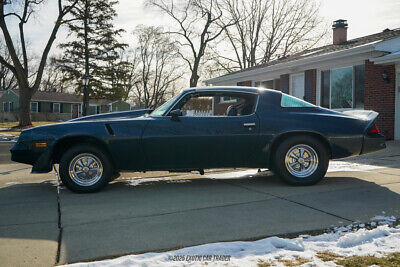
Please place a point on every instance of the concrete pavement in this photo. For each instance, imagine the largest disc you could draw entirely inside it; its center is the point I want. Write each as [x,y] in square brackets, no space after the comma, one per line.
[161,215]
[5,156]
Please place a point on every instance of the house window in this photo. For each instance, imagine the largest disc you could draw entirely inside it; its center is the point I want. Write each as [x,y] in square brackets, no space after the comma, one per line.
[11,106]
[228,99]
[98,109]
[343,88]
[297,85]
[266,84]
[206,105]
[359,76]
[325,88]
[34,107]
[5,107]
[56,107]
[270,84]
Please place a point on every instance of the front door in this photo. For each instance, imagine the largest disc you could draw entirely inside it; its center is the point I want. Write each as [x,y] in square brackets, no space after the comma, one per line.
[74,111]
[203,137]
[297,85]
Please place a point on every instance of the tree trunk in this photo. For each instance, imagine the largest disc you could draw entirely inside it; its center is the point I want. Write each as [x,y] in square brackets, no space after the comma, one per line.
[86,88]
[194,79]
[24,107]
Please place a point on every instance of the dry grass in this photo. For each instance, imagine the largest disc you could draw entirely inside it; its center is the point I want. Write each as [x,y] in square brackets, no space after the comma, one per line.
[328,256]
[15,131]
[289,263]
[391,260]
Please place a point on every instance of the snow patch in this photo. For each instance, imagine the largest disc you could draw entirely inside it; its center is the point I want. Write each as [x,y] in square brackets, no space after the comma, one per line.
[12,183]
[232,175]
[344,166]
[342,241]
[362,236]
[135,181]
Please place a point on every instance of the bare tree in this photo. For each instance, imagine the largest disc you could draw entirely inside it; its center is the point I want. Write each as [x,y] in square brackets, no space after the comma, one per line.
[198,24]
[54,78]
[122,74]
[7,78]
[20,67]
[157,66]
[266,30]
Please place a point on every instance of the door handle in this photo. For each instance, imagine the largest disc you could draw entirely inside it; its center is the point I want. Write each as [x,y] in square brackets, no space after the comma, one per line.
[249,124]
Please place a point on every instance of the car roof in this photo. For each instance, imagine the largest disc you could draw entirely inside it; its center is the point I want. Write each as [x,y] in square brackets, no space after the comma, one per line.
[242,89]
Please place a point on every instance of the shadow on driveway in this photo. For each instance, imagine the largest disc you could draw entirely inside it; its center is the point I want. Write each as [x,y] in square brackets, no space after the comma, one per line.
[159,215]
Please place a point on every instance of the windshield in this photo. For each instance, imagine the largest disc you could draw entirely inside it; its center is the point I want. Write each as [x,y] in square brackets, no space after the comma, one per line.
[162,109]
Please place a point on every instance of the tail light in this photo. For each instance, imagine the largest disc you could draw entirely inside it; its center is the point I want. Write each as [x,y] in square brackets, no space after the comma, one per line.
[374,129]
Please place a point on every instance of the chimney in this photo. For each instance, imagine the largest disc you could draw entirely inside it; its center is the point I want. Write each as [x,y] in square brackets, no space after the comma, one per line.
[339,31]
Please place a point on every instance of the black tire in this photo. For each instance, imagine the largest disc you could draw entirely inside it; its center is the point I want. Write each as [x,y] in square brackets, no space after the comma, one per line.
[312,173]
[101,179]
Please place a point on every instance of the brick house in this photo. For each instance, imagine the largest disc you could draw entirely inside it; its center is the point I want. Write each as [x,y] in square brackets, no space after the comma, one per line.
[362,73]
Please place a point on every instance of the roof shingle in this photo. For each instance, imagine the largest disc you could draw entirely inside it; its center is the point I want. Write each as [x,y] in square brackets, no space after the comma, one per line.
[381,36]
[45,96]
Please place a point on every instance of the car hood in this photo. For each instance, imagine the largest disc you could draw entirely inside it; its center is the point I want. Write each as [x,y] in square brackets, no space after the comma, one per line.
[114,115]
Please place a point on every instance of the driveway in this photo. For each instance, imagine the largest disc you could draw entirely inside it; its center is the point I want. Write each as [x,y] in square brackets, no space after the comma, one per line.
[160,211]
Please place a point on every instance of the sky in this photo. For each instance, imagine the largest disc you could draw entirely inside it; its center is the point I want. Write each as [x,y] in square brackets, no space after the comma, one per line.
[364,17]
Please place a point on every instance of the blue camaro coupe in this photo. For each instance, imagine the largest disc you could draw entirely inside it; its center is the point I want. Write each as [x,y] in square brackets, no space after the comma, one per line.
[202,128]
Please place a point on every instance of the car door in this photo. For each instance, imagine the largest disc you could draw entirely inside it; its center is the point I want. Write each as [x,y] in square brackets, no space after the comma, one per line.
[196,142]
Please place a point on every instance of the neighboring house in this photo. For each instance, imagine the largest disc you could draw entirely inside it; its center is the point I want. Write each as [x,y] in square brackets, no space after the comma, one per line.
[98,106]
[45,106]
[362,73]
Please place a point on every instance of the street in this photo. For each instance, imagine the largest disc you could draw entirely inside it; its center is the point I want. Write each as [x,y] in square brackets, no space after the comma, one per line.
[160,211]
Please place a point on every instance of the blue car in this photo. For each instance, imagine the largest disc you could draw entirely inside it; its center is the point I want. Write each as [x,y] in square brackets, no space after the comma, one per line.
[202,128]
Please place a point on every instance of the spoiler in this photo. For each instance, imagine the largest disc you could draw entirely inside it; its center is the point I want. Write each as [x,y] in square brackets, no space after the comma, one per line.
[369,116]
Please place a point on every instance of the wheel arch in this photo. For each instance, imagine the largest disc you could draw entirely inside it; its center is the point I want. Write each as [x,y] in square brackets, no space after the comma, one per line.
[279,139]
[63,144]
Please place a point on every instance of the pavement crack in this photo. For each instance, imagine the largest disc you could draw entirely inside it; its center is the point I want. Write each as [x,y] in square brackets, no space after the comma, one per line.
[9,172]
[60,228]
[289,200]
[168,213]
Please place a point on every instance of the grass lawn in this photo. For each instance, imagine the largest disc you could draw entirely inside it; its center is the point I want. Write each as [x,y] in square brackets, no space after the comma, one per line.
[7,125]
[390,260]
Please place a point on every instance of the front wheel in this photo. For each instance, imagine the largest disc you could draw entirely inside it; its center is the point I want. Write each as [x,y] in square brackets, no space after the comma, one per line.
[301,160]
[85,169]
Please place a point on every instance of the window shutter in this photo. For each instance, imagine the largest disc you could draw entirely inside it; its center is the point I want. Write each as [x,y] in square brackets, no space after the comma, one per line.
[61,107]
[39,107]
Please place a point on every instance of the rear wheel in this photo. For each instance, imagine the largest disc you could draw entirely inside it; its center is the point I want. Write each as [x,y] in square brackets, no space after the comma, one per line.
[301,160]
[85,169]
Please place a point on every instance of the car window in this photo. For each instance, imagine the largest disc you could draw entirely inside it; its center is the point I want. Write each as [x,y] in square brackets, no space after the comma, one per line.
[288,101]
[217,104]
[162,109]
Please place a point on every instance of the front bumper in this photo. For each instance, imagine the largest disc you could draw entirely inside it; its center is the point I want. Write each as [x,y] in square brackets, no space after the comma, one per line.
[373,143]
[39,158]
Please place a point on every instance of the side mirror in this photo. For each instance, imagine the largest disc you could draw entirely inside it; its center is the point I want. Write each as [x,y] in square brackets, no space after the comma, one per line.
[175,114]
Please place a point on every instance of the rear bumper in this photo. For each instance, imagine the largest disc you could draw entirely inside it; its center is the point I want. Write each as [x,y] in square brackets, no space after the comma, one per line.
[40,159]
[373,143]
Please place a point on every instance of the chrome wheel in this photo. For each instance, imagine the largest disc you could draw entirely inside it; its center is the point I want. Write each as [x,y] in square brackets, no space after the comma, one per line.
[85,169]
[301,161]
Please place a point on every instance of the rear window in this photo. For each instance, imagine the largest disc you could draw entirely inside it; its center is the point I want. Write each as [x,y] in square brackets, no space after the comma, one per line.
[288,101]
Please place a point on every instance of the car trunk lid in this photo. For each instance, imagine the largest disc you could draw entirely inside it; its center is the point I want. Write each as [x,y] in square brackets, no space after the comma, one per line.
[368,116]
